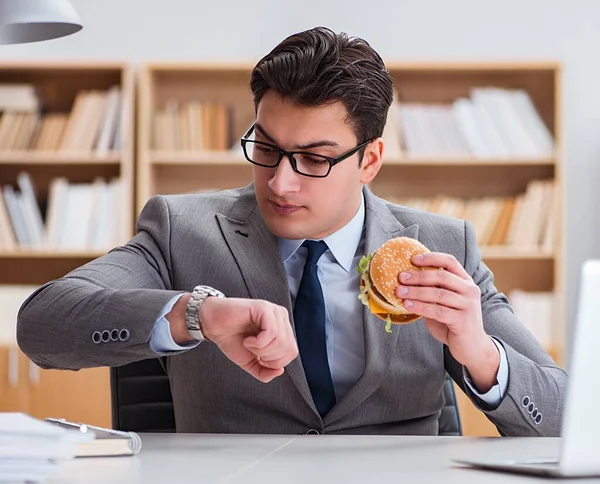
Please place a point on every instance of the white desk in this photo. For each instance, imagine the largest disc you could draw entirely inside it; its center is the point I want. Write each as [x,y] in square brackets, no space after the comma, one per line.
[189,458]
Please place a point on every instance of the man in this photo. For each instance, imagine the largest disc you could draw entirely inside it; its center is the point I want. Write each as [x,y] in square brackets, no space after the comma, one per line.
[291,349]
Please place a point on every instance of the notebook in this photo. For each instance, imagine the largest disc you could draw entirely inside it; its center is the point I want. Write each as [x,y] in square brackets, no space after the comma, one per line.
[107,442]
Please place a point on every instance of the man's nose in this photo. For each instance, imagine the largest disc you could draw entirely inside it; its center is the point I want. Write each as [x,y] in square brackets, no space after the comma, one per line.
[285,179]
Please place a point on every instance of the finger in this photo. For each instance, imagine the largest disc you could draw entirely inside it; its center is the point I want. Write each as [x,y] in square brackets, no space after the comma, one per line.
[260,372]
[445,261]
[444,279]
[283,346]
[283,355]
[440,313]
[289,333]
[278,341]
[275,350]
[436,295]
[268,324]
[267,374]
[284,349]
[275,364]
[286,335]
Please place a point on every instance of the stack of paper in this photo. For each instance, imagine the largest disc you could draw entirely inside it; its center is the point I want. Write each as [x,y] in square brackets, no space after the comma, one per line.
[31,450]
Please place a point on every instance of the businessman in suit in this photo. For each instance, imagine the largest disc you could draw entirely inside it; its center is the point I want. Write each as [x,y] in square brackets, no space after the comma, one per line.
[251,294]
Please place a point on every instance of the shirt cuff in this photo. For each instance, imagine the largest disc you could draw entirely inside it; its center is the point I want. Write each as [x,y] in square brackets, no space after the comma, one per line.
[161,340]
[495,395]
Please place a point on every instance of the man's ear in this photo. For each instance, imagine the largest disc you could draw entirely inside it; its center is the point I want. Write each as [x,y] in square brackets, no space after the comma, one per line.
[371,162]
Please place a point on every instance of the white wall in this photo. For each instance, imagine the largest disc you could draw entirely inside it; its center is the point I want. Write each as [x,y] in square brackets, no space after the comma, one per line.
[141,30]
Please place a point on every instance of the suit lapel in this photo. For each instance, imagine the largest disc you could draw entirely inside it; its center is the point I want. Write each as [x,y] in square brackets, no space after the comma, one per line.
[381,225]
[257,255]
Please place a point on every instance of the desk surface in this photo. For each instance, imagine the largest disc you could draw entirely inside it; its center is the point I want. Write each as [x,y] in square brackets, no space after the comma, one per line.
[266,459]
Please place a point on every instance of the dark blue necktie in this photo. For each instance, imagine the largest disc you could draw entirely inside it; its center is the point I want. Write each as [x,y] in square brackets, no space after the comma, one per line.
[309,321]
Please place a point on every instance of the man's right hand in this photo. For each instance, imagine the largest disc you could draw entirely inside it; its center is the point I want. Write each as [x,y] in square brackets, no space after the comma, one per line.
[256,335]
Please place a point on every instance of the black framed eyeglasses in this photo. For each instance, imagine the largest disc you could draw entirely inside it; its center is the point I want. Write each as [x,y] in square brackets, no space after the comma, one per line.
[303,162]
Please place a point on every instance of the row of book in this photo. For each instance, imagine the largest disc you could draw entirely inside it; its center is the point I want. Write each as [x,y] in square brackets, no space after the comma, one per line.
[89,214]
[491,123]
[20,97]
[193,126]
[523,221]
[92,126]
[78,216]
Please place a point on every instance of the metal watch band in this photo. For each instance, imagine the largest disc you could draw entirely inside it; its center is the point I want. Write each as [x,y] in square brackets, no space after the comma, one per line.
[199,294]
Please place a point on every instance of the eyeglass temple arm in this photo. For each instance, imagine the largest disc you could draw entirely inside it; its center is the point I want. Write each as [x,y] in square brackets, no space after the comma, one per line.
[249,132]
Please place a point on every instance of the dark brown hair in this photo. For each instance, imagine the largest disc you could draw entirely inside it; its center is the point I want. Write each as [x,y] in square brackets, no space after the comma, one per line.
[318,66]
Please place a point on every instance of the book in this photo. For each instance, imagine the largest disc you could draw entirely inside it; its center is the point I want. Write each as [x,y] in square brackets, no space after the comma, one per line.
[107,442]
[31,450]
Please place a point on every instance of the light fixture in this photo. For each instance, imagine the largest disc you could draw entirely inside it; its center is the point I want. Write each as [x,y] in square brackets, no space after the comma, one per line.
[23,21]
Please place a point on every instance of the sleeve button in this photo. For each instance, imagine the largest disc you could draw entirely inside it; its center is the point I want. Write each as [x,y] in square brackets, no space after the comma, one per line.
[124,335]
[96,337]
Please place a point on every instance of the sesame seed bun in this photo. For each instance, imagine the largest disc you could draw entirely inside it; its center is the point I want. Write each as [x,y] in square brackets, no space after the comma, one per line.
[392,258]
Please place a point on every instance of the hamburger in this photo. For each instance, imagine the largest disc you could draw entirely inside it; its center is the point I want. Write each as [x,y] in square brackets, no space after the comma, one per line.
[379,279]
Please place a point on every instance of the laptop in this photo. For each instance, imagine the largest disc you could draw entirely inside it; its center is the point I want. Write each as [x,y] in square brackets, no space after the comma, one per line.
[580,435]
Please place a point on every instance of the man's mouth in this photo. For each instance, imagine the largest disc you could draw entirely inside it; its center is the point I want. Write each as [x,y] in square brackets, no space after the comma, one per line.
[283,207]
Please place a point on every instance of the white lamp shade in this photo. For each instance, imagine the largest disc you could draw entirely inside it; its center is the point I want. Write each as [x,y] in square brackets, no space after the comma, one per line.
[23,21]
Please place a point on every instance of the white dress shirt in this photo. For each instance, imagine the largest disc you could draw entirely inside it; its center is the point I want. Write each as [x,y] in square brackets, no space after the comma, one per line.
[344,312]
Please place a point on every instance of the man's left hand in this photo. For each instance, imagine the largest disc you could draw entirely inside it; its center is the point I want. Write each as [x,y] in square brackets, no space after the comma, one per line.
[450,303]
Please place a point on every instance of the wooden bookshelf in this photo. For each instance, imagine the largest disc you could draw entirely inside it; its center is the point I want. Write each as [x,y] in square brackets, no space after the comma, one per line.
[60,87]
[407,173]
[413,174]
[177,170]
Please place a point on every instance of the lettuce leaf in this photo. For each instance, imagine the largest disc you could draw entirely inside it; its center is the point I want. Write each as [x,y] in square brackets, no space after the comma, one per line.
[388,324]
[364,291]
[364,297]
[364,263]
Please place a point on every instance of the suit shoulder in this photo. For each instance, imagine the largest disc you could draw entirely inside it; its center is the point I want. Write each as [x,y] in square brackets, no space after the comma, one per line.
[426,220]
[207,203]
[439,233]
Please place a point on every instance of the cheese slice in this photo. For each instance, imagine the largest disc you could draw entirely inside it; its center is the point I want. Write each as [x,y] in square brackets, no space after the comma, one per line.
[376,308]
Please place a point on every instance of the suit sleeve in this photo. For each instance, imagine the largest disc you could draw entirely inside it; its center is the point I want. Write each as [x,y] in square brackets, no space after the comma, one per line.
[103,313]
[534,399]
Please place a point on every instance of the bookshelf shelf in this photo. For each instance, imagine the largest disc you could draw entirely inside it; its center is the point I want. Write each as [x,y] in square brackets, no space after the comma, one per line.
[438,149]
[50,254]
[201,158]
[217,157]
[44,158]
[509,253]
[460,161]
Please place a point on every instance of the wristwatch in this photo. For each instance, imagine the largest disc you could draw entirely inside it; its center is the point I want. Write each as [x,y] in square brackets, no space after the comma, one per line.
[192,321]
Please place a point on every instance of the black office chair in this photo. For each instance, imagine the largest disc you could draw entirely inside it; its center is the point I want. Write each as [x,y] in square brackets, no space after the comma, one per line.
[449,421]
[142,400]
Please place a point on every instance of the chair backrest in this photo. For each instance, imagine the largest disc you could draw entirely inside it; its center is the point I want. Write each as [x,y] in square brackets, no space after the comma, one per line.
[449,421]
[141,398]
[142,402]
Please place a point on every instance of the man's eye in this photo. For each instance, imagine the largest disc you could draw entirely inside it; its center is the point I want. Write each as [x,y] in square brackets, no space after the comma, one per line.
[315,160]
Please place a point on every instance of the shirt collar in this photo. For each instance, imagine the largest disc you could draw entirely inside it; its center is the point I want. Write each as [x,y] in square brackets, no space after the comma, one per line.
[342,244]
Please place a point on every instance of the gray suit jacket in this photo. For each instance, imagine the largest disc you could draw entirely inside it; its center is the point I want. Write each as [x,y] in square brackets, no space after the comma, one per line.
[221,240]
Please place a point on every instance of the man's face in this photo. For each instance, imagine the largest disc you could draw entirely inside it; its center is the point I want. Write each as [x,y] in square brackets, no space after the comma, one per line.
[299,207]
